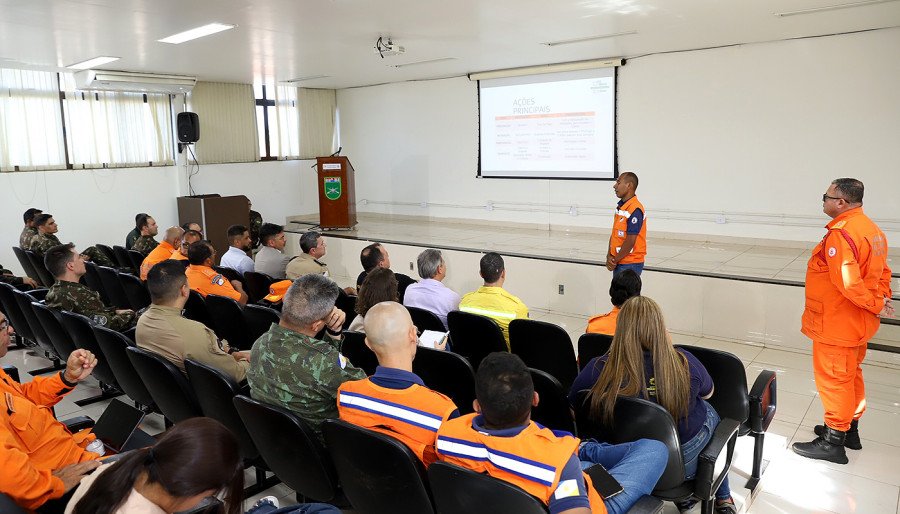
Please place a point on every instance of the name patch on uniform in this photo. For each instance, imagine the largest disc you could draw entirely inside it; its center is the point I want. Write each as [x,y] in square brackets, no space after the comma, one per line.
[832,251]
[566,489]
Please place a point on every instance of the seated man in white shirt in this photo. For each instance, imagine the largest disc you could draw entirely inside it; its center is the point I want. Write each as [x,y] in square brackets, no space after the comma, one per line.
[430,293]
[236,257]
[270,259]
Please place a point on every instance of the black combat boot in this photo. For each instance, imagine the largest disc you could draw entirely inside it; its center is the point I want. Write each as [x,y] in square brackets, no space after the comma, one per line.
[852,441]
[828,446]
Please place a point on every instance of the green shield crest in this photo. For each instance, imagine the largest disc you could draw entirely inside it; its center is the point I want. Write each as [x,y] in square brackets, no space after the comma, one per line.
[332,188]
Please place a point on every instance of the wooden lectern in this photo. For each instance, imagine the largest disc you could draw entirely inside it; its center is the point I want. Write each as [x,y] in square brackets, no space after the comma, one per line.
[337,198]
[215,214]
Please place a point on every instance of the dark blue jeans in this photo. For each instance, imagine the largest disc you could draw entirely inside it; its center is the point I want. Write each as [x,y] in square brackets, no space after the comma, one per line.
[636,267]
[302,508]
[636,465]
[691,449]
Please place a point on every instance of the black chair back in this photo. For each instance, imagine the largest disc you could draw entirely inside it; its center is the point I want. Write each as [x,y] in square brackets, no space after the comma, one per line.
[16,317]
[135,259]
[168,386]
[122,258]
[135,291]
[24,300]
[447,373]
[475,337]
[81,333]
[195,309]
[346,303]
[633,419]
[93,281]
[26,264]
[215,392]
[426,320]
[107,251]
[113,286]
[256,285]
[290,448]
[113,347]
[355,349]
[727,372]
[460,491]
[228,321]
[38,264]
[395,479]
[591,346]
[51,320]
[258,320]
[553,409]
[546,347]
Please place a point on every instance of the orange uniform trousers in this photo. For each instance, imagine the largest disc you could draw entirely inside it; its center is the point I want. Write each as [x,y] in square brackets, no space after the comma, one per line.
[839,380]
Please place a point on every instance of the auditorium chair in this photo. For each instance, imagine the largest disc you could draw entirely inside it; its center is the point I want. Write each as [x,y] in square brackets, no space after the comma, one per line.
[227,319]
[546,347]
[135,291]
[136,259]
[24,335]
[114,289]
[38,264]
[229,273]
[256,285]
[122,258]
[168,386]
[291,449]
[258,320]
[346,303]
[395,479]
[591,346]
[107,251]
[754,410]
[474,337]
[553,410]
[215,391]
[195,309]
[425,320]
[113,347]
[354,348]
[82,334]
[93,281]
[636,418]
[447,373]
[24,301]
[26,265]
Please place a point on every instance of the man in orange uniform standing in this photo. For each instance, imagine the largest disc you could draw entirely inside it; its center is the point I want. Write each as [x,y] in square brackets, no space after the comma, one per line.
[40,459]
[847,290]
[628,240]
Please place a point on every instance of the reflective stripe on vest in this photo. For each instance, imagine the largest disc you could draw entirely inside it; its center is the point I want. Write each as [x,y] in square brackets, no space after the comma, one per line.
[519,466]
[488,313]
[391,410]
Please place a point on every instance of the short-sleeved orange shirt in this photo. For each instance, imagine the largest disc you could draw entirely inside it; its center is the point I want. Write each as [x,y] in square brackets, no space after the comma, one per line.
[206,280]
[604,323]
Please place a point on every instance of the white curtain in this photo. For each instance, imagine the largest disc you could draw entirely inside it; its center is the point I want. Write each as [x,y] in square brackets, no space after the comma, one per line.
[227,114]
[31,134]
[317,112]
[114,129]
[284,127]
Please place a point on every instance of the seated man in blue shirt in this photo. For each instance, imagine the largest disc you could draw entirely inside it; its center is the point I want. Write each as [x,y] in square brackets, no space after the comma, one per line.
[501,440]
[238,244]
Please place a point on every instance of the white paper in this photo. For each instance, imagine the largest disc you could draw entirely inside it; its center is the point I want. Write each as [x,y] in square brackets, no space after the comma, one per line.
[431,338]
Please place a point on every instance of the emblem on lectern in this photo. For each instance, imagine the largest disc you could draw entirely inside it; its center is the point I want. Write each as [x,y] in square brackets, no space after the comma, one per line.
[332,187]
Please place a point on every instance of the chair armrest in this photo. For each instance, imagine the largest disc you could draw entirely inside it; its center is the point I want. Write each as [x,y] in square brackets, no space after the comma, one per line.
[78,423]
[647,505]
[715,459]
[763,401]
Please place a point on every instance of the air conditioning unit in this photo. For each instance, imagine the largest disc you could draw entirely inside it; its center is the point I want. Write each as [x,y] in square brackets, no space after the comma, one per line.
[102,80]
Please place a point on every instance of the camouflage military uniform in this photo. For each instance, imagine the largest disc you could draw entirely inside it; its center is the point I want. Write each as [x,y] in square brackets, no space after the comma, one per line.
[7,277]
[25,238]
[77,298]
[256,222]
[43,242]
[299,373]
[131,238]
[144,244]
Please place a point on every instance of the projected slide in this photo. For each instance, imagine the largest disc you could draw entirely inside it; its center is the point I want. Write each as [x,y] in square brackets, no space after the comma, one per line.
[558,125]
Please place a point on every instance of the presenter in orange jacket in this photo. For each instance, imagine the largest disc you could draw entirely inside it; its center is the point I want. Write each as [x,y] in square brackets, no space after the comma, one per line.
[628,240]
[40,459]
[847,291]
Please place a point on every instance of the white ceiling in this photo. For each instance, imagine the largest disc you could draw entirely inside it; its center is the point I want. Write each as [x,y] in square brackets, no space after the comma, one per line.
[285,39]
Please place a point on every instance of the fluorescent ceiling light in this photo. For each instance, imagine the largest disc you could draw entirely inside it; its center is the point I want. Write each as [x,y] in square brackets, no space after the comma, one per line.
[90,63]
[426,61]
[195,33]
[592,38]
[832,7]
[302,79]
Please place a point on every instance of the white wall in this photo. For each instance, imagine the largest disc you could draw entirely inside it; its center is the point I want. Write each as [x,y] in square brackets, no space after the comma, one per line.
[754,133]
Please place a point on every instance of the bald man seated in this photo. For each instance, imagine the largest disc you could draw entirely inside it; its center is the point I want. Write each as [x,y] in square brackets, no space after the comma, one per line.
[163,251]
[394,401]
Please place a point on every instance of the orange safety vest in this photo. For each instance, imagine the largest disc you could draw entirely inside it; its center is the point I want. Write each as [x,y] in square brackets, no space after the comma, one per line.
[33,443]
[178,256]
[532,460]
[621,219]
[162,252]
[847,279]
[411,415]
[206,280]
[604,323]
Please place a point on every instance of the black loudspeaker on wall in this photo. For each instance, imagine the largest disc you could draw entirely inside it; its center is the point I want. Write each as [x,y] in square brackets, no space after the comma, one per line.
[188,126]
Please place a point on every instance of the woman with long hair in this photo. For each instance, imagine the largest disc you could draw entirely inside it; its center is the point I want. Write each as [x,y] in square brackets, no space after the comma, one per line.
[379,286]
[643,363]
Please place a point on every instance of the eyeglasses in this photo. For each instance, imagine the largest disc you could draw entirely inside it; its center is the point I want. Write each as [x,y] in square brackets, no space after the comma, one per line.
[825,197]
